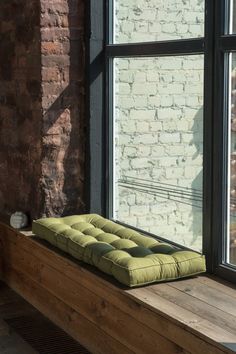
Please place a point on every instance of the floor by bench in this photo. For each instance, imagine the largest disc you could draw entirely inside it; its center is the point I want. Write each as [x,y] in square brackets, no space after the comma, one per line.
[196,316]
[24,330]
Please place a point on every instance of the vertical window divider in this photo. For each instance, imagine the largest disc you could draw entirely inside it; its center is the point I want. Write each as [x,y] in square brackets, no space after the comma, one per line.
[217,129]
[224,44]
[109,171]
[95,110]
[208,135]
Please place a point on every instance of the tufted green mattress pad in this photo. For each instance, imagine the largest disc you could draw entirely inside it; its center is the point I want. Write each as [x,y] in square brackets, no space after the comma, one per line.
[130,257]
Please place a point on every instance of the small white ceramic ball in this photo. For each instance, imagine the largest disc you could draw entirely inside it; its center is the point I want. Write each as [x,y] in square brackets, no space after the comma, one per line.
[18,220]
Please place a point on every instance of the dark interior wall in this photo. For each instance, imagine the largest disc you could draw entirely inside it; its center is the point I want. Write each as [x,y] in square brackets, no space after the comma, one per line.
[20,105]
[42,120]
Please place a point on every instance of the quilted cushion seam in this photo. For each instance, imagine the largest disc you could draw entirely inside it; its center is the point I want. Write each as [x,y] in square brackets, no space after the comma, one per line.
[153,265]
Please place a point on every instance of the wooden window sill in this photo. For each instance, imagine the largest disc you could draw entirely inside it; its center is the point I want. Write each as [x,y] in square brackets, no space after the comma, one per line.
[196,315]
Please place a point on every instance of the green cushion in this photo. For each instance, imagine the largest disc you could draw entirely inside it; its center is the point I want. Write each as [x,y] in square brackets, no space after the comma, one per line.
[131,258]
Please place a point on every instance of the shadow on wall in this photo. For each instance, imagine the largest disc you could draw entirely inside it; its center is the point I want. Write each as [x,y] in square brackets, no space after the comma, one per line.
[197,183]
[63,150]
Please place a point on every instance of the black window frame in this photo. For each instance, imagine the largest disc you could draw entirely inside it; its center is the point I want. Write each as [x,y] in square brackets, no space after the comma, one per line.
[224,43]
[100,52]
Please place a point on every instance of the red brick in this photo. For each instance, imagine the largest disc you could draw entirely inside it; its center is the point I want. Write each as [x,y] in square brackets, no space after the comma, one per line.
[50,74]
[52,34]
[53,7]
[61,61]
[49,48]
[53,88]
[54,20]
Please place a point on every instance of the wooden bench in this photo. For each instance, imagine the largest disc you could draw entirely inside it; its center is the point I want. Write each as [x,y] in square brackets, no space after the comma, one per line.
[196,316]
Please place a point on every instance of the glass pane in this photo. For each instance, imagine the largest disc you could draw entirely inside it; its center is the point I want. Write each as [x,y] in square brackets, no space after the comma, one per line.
[231,242]
[158,139]
[232,17]
[157,20]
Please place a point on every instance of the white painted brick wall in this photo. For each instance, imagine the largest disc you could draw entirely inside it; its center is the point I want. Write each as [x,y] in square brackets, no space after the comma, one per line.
[158,119]
[148,20]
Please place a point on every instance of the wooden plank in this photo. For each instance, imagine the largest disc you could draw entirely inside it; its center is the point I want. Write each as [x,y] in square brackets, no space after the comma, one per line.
[149,298]
[97,309]
[36,330]
[225,303]
[198,307]
[178,330]
[219,285]
[89,335]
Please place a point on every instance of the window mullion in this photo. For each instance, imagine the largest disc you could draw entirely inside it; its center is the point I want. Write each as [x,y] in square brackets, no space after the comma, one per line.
[209,84]
[223,45]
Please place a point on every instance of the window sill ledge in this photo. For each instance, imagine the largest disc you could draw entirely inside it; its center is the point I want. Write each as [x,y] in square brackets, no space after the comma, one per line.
[196,315]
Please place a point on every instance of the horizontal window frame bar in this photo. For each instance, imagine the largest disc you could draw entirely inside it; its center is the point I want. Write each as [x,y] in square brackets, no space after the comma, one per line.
[227,272]
[227,43]
[162,48]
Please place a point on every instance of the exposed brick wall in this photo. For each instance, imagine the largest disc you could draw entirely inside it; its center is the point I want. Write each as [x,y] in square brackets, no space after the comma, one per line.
[62,31]
[42,106]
